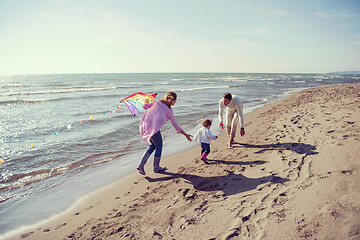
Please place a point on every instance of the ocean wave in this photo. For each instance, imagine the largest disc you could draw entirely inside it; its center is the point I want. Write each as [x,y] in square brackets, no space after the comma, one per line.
[199,78]
[239,80]
[26,101]
[23,179]
[20,180]
[33,101]
[200,88]
[254,100]
[59,91]
[179,79]
[15,85]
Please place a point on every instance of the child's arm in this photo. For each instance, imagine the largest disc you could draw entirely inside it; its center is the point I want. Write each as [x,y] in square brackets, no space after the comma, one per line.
[212,136]
[196,137]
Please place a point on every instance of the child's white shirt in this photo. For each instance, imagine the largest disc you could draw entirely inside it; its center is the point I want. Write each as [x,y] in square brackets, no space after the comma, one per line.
[204,135]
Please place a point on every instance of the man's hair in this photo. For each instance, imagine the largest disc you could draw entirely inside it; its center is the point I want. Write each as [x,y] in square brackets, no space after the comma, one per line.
[228,96]
[207,122]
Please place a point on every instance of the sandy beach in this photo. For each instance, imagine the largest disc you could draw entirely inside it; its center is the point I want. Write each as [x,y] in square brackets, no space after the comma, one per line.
[294,175]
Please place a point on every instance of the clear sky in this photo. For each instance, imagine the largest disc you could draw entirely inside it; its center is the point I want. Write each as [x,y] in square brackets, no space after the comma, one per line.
[115,36]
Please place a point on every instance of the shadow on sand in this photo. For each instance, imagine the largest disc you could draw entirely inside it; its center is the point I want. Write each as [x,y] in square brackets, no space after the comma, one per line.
[214,161]
[229,184]
[300,148]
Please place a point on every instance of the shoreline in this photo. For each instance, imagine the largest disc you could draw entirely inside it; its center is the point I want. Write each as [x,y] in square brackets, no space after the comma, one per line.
[279,148]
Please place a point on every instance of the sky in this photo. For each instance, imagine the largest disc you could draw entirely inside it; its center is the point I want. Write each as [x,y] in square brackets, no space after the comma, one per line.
[137,36]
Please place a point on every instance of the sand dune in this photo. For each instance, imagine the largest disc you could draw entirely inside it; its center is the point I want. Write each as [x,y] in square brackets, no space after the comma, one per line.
[294,175]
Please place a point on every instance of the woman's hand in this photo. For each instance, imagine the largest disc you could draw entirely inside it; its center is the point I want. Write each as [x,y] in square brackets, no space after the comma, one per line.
[188,136]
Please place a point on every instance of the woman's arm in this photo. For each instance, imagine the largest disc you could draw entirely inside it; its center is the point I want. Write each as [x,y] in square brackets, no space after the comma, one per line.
[188,136]
[146,106]
[177,127]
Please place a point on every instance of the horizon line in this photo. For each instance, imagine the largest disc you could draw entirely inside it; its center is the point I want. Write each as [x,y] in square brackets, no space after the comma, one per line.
[344,72]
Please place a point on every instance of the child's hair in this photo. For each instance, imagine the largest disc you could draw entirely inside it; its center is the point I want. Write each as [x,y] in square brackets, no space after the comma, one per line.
[207,122]
[168,97]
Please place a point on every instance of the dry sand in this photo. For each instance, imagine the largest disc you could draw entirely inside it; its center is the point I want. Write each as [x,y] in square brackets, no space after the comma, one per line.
[294,175]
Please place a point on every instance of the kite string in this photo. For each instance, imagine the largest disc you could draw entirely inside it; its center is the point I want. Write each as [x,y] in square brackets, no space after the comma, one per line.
[79,122]
[148,98]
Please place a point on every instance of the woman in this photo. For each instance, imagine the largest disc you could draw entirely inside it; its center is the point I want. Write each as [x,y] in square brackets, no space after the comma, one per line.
[151,121]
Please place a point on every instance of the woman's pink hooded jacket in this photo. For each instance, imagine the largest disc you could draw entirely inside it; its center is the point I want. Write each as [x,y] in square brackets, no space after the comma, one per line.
[152,120]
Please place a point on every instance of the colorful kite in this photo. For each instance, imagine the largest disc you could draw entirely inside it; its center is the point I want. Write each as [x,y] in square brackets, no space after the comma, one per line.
[135,101]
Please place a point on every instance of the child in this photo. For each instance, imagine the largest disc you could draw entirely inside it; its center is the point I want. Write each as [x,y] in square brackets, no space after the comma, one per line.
[205,136]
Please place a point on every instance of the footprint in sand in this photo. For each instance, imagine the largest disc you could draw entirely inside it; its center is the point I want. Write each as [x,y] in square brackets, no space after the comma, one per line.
[202,207]
[354,230]
[60,226]
[187,223]
[25,235]
[281,214]
[88,208]
[347,172]
[281,199]
[233,234]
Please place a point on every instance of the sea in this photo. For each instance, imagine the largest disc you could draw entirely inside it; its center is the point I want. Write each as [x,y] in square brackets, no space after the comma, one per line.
[63,136]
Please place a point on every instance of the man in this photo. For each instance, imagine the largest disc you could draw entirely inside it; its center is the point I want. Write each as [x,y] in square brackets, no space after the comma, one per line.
[234,108]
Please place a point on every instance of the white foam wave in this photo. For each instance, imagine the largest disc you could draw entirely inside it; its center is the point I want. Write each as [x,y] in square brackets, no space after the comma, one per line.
[59,91]
[199,88]
[26,101]
[30,179]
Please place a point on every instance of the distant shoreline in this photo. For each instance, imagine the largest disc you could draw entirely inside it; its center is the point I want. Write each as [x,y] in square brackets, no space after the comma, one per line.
[337,72]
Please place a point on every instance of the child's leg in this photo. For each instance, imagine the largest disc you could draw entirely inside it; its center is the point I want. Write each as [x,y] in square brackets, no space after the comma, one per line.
[207,148]
[202,149]
[206,152]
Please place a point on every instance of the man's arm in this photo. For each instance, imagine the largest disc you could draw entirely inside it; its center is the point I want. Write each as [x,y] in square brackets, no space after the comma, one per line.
[221,112]
[239,107]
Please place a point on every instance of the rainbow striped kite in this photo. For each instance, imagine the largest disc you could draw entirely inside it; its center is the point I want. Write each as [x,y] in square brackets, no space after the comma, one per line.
[135,101]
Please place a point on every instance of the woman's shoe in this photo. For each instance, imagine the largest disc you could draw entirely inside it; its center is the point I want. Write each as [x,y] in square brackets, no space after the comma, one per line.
[159,169]
[141,171]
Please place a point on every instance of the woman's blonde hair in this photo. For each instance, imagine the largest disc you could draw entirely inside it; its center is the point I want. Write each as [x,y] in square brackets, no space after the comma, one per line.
[168,98]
